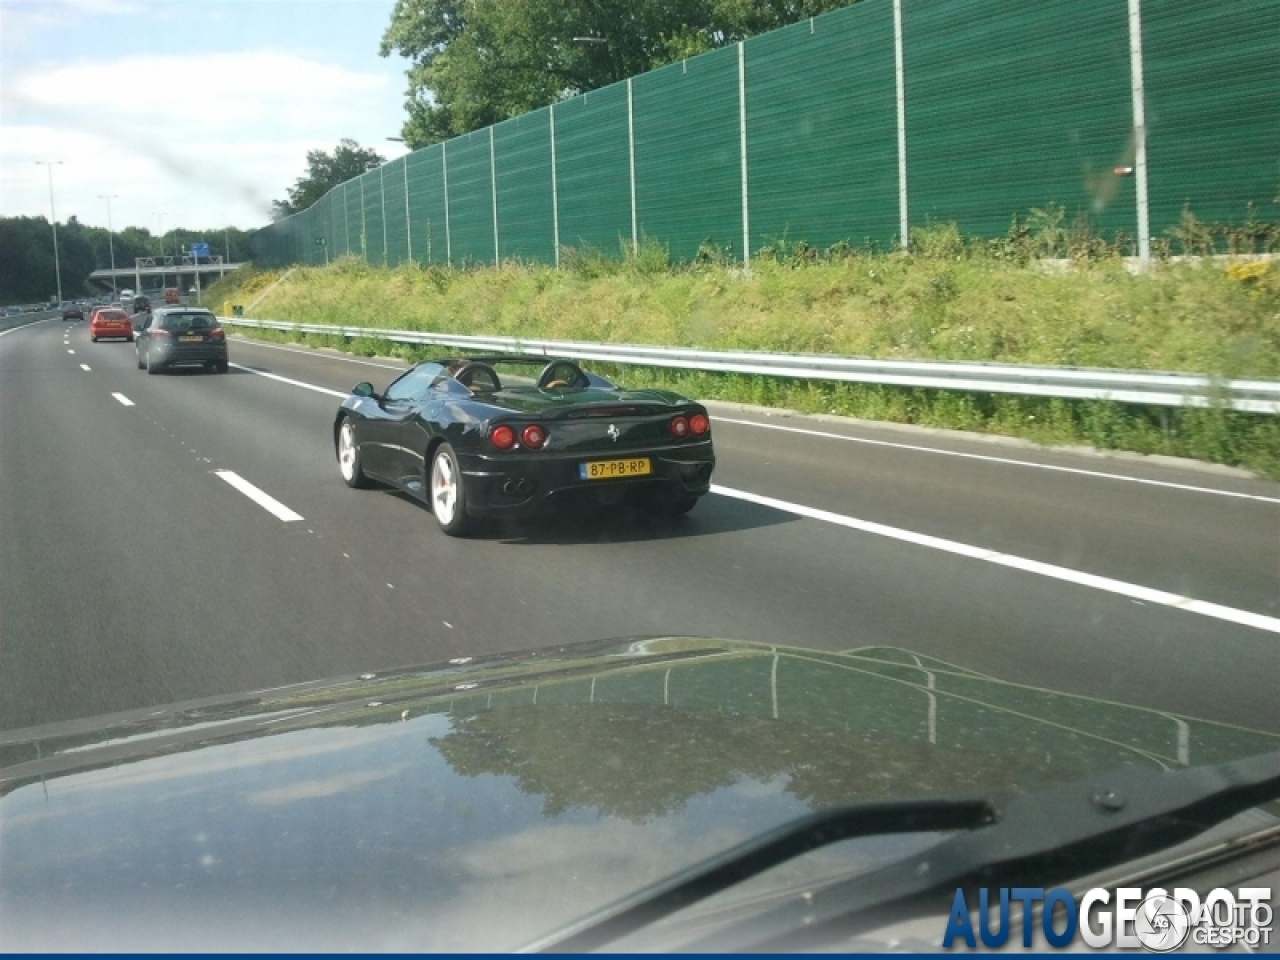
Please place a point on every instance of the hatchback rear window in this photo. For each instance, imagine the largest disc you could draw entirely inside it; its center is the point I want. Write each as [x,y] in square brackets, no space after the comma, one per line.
[190,321]
[113,315]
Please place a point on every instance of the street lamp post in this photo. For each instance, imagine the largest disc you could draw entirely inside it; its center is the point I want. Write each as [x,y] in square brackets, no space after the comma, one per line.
[111,240]
[53,221]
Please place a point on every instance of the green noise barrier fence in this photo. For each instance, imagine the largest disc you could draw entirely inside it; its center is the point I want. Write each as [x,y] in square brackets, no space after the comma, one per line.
[852,126]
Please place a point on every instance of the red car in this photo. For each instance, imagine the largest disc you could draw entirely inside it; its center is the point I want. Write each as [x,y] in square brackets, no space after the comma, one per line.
[110,322]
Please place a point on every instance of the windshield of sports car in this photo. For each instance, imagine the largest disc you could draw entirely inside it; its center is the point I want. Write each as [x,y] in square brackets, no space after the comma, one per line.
[568,443]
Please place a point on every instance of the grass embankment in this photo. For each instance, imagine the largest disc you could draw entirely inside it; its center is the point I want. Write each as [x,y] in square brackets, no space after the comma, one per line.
[948,301]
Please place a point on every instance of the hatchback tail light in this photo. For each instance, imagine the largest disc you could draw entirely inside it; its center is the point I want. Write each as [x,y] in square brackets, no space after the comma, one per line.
[158,332]
[698,424]
[679,427]
[217,334]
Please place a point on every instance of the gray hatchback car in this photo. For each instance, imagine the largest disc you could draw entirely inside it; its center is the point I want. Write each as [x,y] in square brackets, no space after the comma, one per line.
[180,336]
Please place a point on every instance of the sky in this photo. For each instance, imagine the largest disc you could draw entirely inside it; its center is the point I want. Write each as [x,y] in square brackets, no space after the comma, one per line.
[190,113]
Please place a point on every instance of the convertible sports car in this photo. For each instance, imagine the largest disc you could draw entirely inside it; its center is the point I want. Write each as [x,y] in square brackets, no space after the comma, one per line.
[451,433]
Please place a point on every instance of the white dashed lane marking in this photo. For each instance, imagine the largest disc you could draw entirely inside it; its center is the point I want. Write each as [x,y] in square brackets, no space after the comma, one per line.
[261,498]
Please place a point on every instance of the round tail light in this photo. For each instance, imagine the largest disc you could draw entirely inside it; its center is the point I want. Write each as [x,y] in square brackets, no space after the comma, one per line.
[679,427]
[533,437]
[502,437]
[698,424]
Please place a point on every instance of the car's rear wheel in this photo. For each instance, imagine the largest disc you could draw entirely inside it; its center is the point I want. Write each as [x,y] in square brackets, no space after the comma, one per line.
[138,352]
[448,492]
[152,366]
[92,338]
[349,456]
[222,366]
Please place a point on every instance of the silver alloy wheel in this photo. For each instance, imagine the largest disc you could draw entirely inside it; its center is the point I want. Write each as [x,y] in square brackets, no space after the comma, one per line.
[444,489]
[347,451]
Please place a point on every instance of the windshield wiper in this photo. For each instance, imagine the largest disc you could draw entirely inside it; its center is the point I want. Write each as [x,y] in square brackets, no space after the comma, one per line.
[1009,839]
[760,854]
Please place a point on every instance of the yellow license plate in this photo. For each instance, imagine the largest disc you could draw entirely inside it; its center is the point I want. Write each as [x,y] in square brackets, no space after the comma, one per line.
[189,339]
[613,469]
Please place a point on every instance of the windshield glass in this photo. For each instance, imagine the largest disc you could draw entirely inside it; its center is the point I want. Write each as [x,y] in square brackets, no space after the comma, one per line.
[513,453]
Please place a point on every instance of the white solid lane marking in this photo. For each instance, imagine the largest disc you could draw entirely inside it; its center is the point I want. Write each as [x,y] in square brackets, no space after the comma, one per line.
[24,326]
[264,500]
[292,383]
[313,353]
[1065,574]
[826,434]
[84,367]
[123,399]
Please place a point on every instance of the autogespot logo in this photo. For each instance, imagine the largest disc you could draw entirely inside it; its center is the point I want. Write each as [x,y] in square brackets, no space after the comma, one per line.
[1154,920]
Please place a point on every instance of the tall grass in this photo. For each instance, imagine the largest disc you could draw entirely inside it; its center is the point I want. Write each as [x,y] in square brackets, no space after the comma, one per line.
[1049,292]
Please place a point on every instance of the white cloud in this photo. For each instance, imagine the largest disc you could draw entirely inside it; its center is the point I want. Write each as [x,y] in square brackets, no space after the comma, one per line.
[208,138]
[22,18]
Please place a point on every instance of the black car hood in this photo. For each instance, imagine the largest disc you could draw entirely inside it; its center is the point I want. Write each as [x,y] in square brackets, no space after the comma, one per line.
[482,803]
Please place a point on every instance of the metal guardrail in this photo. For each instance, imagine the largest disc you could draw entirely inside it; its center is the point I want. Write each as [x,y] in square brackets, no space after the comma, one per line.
[1070,383]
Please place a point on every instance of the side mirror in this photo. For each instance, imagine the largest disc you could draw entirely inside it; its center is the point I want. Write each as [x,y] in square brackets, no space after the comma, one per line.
[363,389]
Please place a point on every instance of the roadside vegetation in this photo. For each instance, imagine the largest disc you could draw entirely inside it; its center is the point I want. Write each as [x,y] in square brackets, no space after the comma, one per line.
[1047,293]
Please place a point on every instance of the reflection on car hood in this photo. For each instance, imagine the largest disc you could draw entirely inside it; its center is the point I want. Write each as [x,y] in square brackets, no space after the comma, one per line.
[484,802]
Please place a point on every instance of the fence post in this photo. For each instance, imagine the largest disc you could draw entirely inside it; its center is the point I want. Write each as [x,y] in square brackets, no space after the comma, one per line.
[1138,92]
[900,84]
[408,227]
[493,192]
[346,220]
[631,166]
[742,146]
[555,190]
[364,234]
[382,197]
[448,241]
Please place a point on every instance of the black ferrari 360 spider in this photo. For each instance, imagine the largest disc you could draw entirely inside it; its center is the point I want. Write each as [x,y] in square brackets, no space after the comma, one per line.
[453,434]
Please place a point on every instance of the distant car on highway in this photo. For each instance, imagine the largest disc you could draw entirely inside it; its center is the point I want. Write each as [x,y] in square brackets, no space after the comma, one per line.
[172,337]
[170,294]
[450,432]
[12,311]
[141,304]
[110,322]
[73,311]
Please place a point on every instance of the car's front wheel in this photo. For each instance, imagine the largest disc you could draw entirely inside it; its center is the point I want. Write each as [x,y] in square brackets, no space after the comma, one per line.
[349,456]
[448,492]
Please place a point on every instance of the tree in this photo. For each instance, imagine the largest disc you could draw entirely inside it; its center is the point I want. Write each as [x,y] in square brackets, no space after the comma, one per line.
[324,172]
[476,62]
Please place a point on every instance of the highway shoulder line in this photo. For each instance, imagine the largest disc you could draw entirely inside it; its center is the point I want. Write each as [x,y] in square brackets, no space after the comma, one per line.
[1052,571]
[1008,461]
[1132,591]
[260,497]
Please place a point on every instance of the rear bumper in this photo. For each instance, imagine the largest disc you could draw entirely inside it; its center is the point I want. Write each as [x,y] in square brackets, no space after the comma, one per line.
[176,355]
[523,483]
[124,333]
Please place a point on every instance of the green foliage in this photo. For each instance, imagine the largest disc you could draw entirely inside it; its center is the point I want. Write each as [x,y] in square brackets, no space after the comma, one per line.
[477,62]
[950,298]
[324,172]
[26,254]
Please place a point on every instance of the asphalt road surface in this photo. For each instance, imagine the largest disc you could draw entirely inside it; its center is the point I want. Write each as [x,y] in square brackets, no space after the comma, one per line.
[187,535]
